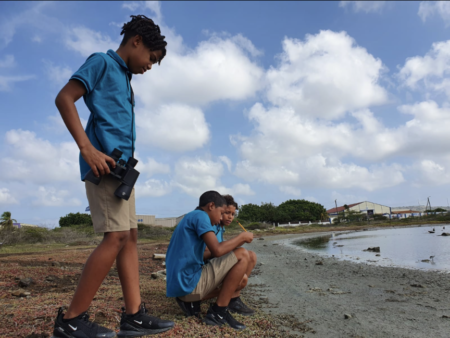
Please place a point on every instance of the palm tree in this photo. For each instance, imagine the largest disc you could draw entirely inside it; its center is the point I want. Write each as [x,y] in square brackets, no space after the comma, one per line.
[6,221]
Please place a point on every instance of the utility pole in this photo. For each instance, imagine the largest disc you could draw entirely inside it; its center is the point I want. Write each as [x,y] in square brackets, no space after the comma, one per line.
[428,204]
[337,214]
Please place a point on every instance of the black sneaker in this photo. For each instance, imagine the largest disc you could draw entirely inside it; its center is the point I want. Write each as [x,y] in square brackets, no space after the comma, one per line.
[189,308]
[141,324]
[79,327]
[237,306]
[218,319]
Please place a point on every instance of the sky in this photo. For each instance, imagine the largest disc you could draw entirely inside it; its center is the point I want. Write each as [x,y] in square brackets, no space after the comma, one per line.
[267,101]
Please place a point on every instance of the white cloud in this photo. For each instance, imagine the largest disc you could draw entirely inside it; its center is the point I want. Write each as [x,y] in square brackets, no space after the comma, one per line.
[151,167]
[32,18]
[86,41]
[431,71]
[35,160]
[7,62]
[7,81]
[364,6]
[51,197]
[291,190]
[173,127]
[155,7]
[131,5]
[59,75]
[218,69]
[325,76]
[153,188]
[6,198]
[194,176]
[227,162]
[430,8]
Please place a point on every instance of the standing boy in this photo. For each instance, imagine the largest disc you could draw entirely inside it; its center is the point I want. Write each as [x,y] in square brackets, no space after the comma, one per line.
[104,82]
[189,279]
[236,304]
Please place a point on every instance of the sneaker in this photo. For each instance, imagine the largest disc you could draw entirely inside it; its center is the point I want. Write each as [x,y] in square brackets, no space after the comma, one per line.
[79,327]
[189,308]
[141,324]
[238,306]
[218,319]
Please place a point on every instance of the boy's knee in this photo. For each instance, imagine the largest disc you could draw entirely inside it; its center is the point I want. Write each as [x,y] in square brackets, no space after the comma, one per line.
[241,254]
[252,257]
[118,238]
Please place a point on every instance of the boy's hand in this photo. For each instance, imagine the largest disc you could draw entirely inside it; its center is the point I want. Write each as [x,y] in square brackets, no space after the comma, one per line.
[247,237]
[97,160]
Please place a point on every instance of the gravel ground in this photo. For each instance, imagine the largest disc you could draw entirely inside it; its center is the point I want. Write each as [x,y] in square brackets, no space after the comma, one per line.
[320,292]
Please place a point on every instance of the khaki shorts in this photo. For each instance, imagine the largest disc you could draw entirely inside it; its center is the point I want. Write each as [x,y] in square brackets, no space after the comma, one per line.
[110,213]
[213,274]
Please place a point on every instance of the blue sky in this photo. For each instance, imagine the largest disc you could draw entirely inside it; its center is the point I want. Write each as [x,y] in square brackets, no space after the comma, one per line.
[267,101]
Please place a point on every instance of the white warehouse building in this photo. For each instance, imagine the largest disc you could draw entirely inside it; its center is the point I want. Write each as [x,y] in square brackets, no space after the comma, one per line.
[365,207]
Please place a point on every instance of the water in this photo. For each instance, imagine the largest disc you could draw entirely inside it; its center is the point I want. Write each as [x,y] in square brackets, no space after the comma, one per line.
[404,247]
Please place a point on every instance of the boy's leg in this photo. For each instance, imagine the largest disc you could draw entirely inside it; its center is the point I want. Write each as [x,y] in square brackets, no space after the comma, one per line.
[128,269]
[251,263]
[95,270]
[233,278]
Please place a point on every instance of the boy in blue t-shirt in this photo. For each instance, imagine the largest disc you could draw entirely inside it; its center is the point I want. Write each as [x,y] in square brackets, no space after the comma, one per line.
[104,82]
[189,279]
[236,304]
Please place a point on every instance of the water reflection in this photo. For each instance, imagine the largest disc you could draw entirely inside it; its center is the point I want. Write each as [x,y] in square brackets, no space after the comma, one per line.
[406,247]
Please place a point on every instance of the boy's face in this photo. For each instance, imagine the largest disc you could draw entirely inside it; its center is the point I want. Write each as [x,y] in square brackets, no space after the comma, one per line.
[215,213]
[142,58]
[228,215]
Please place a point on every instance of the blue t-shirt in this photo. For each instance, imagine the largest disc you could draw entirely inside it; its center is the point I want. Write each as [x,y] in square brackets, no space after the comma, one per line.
[184,257]
[219,231]
[109,99]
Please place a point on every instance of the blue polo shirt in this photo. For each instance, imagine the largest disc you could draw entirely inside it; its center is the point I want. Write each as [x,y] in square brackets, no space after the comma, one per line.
[184,257]
[109,99]
[219,231]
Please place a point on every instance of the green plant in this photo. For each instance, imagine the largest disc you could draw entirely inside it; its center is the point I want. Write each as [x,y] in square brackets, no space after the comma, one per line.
[75,219]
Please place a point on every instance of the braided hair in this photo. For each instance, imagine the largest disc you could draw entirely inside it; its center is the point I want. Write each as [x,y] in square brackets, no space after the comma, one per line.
[148,30]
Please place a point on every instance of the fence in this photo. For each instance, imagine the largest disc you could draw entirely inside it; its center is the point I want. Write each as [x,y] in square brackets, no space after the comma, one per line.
[300,224]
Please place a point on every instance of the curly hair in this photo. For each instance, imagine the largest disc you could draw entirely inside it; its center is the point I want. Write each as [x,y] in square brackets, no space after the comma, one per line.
[148,30]
[230,201]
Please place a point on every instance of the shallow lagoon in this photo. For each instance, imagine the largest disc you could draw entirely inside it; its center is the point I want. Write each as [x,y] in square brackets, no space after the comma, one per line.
[405,247]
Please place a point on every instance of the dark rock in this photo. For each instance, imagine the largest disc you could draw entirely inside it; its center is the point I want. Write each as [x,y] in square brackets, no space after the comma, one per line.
[445,234]
[24,282]
[56,264]
[261,238]
[319,263]
[373,249]
[347,316]
[416,285]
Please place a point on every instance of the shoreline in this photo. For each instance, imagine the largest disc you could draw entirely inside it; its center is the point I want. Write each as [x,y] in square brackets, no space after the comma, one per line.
[320,291]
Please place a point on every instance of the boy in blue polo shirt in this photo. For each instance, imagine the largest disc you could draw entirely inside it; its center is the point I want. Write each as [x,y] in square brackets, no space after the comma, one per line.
[189,279]
[104,82]
[236,304]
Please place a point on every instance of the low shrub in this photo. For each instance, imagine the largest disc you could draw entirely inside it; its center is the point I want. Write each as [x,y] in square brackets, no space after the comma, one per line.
[154,231]
[75,219]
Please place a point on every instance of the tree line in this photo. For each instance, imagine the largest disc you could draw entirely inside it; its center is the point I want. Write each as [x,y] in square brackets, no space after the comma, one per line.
[290,211]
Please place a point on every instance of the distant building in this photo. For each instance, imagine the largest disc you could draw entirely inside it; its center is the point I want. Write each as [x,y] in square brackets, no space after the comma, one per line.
[368,208]
[164,222]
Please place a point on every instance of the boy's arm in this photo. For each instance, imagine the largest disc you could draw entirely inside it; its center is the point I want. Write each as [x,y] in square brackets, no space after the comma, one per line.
[219,249]
[65,102]
[207,254]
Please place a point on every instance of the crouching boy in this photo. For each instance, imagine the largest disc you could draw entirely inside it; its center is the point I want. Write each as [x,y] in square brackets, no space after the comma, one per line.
[236,304]
[190,280]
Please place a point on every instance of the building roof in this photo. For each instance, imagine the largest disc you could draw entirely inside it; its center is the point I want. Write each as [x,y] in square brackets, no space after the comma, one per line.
[405,212]
[339,209]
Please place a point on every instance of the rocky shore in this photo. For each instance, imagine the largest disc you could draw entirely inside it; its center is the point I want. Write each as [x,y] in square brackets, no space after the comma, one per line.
[326,297]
